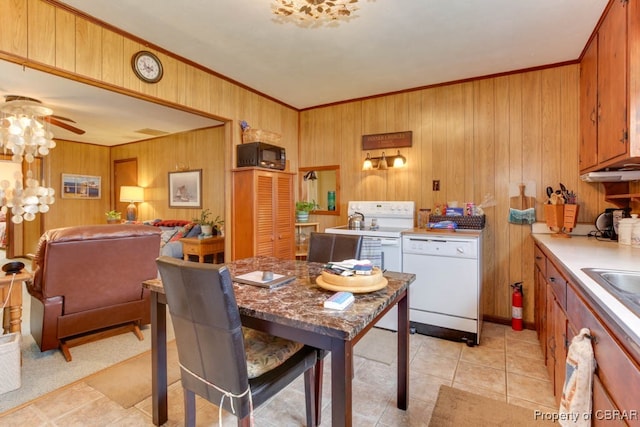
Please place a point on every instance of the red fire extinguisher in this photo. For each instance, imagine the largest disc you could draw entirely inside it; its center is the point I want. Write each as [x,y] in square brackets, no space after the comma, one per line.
[516,306]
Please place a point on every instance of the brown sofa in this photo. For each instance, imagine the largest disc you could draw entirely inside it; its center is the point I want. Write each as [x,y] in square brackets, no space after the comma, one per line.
[87,279]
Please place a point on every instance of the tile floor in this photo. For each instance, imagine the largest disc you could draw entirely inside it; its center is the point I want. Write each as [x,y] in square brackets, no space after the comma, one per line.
[507,366]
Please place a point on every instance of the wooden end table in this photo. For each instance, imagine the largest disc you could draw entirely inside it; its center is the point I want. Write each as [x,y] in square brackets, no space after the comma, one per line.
[12,317]
[201,247]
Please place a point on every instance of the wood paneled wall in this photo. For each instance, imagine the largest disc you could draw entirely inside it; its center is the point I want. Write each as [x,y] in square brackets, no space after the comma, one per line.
[200,149]
[46,35]
[476,138]
[80,159]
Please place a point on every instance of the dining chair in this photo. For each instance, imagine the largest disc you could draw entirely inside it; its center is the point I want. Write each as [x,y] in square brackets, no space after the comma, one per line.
[233,367]
[327,247]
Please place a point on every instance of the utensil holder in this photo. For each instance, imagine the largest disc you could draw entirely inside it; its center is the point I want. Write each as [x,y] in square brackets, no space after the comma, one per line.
[561,219]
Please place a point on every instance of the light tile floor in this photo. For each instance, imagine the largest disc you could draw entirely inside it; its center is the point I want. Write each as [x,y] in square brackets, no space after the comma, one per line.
[507,366]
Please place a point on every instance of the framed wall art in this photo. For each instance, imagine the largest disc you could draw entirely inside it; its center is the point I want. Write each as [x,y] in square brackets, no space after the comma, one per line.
[81,186]
[185,189]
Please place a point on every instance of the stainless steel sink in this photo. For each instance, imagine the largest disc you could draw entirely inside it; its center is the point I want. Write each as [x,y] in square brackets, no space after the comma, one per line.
[622,284]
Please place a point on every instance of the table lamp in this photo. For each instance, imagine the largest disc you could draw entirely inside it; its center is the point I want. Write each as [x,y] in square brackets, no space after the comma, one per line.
[132,195]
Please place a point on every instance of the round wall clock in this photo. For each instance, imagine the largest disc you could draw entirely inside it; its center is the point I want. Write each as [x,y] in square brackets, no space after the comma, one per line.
[147,66]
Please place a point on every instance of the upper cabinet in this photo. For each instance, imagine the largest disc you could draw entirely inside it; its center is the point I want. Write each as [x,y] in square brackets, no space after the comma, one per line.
[609,90]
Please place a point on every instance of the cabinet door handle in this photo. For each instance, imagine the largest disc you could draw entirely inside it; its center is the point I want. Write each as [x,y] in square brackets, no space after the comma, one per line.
[592,116]
[625,135]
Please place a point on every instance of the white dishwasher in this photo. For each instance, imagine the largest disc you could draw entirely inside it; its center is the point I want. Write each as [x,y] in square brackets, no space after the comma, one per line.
[445,299]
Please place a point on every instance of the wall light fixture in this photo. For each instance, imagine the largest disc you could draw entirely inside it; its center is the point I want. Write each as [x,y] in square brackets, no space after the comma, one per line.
[384,162]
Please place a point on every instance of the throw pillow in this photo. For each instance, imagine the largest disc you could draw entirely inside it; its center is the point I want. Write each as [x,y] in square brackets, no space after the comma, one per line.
[182,232]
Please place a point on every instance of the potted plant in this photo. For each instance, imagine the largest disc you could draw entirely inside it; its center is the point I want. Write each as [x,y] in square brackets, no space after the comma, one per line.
[113,217]
[303,208]
[206,225]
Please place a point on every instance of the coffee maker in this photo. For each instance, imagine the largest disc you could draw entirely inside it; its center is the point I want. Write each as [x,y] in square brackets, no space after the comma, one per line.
[607,222]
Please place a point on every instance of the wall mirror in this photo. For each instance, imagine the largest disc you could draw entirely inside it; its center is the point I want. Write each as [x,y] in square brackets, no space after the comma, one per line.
[322,184]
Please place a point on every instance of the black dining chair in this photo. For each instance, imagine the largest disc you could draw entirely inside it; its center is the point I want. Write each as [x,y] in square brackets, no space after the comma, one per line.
[327,247]
[233,367]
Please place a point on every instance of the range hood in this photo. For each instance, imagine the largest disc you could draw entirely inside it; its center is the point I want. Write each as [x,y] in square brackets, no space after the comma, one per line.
[611,176]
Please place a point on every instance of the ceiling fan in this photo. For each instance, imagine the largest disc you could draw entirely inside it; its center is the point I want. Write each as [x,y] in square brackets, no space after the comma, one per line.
[16,104]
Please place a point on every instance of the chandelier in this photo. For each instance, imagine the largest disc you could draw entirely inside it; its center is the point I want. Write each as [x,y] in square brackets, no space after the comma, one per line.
[24,132]
[314,11]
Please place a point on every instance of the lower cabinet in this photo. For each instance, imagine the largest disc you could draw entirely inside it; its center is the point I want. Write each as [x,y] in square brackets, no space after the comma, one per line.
[561,311]
[556,343]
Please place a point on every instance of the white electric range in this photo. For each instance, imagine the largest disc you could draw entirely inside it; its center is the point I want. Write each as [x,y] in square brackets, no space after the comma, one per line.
[385,221]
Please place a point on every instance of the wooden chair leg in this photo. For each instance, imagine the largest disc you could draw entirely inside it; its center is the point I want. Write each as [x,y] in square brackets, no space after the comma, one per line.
[318,389]
[189,408]
[138,332]
[311,400]
[64,348]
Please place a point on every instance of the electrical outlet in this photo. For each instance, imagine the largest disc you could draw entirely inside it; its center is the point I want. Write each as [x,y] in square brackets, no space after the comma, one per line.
[436,185]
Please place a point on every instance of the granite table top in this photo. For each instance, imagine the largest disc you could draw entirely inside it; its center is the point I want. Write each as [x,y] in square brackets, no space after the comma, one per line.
[299,303]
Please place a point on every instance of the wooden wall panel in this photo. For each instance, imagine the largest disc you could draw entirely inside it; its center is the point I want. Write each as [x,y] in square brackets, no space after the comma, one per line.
[65,38]
[112,50]
[475,137]
[82,159]
[200,149]
[42,21]
[13,31]
[88,49]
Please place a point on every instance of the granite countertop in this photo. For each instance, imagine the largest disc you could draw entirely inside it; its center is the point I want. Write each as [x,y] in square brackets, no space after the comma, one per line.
[300,303]
[580,252]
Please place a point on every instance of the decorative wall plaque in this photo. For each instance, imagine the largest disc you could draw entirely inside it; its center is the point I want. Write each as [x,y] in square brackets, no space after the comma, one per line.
[387,140]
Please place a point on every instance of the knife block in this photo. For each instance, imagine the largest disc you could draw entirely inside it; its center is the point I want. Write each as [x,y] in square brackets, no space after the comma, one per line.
[561,219]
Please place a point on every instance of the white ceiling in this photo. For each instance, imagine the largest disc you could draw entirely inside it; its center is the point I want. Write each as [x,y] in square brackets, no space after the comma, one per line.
[390,45]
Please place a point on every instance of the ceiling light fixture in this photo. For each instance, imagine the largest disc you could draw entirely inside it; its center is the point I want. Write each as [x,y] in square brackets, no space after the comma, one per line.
[314,11]
[384,162]
[25,132]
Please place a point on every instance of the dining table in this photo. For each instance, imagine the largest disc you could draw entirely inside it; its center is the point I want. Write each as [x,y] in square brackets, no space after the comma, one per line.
[295,311]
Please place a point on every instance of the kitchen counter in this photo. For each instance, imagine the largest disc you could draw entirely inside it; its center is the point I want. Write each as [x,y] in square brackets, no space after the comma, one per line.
[579,252]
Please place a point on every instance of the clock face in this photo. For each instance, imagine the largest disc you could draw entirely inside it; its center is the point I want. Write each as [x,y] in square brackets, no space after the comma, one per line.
[147,66]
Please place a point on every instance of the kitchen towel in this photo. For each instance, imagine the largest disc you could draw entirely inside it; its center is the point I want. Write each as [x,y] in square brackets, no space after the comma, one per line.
[575,405]
[372,250]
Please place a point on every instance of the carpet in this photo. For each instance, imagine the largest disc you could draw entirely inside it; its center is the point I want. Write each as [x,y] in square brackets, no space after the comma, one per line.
[459,408]
[129,382]
[379,345]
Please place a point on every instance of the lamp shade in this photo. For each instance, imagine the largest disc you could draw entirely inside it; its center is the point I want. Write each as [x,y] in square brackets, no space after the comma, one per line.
[131,194]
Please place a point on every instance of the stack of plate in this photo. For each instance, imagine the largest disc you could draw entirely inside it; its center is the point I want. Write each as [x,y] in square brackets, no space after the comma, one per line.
[358,284]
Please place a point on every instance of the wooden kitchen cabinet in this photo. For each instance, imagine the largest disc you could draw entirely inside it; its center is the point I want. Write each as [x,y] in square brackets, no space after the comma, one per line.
[610,89]
[550,319]
[556,342]
[567,309]
[263,213]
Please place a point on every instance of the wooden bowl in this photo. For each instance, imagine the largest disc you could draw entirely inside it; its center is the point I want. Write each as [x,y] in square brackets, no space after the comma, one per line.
[359,280]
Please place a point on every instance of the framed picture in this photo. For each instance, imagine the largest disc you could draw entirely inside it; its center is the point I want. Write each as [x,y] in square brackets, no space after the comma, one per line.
[81,186]
[185,189]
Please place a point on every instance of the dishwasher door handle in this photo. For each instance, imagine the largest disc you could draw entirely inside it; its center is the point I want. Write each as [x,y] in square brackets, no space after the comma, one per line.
[428,240]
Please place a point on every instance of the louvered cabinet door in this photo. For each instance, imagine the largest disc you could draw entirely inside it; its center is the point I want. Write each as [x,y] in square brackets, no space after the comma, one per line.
[262,212]
[265,227]
[284,246]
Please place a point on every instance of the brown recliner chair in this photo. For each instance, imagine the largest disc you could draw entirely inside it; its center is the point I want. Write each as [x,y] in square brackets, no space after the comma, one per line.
[88,279]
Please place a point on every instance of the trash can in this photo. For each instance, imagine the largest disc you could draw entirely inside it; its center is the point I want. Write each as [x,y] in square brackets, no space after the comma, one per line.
[10,362]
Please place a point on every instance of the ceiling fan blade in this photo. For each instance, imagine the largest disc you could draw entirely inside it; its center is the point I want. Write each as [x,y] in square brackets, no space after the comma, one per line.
[66,119]
[63,125]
